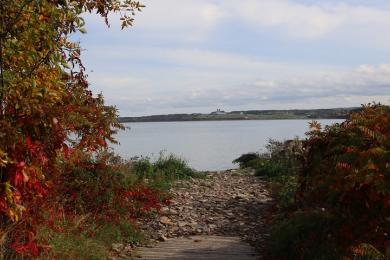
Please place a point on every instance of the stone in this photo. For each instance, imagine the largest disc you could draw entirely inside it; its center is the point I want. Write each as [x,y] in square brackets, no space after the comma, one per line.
[172,212]
[212,226]
[182,223]
[162,238]
[117,247]
[165,220]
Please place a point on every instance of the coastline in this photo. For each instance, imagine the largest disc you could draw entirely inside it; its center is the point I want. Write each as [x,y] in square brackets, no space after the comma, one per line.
[312,114]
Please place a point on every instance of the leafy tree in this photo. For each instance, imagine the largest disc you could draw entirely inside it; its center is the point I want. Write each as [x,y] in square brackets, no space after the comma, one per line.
[44,99]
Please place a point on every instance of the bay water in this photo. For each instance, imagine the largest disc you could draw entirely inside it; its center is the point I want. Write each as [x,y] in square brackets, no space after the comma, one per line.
[207,145]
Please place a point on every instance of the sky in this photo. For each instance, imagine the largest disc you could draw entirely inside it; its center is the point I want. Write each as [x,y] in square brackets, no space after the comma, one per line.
[194,56]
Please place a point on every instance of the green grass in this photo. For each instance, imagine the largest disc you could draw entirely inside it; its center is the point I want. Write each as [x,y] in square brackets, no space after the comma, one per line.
[122,232]
[94,242]
[70,244]
[164,171]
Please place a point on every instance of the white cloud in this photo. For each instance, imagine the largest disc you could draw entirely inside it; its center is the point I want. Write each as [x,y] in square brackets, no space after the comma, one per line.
[311,21]
[380,72]
[179,14]
[366,69]
[191,20]
[201,79]
[196,20]
[168,62]
[384,68]
[295,19]
[265,84]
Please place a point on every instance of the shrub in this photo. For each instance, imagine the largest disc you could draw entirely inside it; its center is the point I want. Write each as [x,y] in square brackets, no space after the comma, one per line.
[45,99]
[305,235]
[161,173]
[347,173]
[143,168]
[271,168]
[280,158]
[97,204]
[284,188]
[173,167]
[247,160]
[104,185]
[346,179]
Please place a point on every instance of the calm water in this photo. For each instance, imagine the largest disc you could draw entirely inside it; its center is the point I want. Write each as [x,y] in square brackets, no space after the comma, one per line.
[206,145]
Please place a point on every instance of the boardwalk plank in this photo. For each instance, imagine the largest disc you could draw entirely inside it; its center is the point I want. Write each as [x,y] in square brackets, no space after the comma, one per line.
[199,247]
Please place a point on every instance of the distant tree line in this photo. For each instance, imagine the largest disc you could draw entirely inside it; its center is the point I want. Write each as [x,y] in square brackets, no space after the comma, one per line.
[333,113]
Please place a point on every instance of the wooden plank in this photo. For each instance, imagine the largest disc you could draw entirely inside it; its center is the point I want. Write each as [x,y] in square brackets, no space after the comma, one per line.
[199,247]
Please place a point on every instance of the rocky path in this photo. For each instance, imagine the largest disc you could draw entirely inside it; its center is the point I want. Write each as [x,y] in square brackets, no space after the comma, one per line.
[224,204]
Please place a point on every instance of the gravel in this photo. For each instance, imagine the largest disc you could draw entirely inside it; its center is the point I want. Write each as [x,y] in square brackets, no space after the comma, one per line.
[229,203]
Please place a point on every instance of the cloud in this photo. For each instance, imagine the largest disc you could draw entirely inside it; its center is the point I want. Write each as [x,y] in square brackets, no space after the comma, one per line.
[195,20]
[192,21]
[366,69]
[381,70]
[298,20]
[311,21]
[287,17]
[193,55]
[199,80]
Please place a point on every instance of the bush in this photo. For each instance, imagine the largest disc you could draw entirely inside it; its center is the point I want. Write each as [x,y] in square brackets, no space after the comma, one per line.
[346,179]
[161,173]
[284,189]
[105,186]
[97,203]
[271,168]
[143,168]
[305,235]
[280,158]
[173,167]
[348,174]
[45,100]
[248,160]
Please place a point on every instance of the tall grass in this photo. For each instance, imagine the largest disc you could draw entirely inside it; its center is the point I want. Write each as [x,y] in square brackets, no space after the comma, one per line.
[164,171]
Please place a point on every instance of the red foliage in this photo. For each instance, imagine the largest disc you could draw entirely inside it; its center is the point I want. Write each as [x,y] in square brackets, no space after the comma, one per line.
[347,174]
[45,100]
[29,247]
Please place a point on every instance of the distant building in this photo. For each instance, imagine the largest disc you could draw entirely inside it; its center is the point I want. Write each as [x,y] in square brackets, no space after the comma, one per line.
[218,112]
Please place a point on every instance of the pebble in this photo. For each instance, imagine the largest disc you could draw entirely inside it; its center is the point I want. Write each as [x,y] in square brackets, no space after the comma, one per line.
[165,220]
[117,247]
[162,238]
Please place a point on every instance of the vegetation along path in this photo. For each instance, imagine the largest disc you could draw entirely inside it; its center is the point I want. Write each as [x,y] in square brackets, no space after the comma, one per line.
[217,217]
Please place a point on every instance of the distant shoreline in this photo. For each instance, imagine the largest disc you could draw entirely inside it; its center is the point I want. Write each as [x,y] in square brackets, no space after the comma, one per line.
[309,114]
